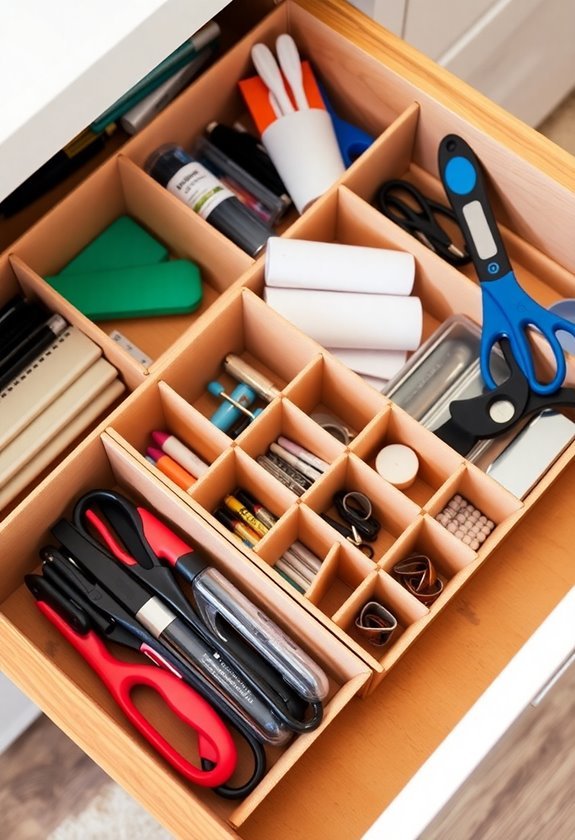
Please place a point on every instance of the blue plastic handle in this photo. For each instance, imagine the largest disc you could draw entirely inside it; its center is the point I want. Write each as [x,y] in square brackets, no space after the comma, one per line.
[508,311]
[227,414]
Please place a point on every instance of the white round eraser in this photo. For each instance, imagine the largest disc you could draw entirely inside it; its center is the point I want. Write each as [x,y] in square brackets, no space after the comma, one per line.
[398,464]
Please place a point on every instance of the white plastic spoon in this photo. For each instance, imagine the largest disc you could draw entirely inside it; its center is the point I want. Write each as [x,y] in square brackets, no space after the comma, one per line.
[269,73]
[290,63]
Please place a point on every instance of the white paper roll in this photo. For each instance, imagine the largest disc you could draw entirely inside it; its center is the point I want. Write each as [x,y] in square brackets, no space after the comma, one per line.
[348,320]
[382,364]
[300,264]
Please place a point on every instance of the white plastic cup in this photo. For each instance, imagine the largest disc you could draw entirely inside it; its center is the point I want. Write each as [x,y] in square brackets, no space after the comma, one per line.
[304,149]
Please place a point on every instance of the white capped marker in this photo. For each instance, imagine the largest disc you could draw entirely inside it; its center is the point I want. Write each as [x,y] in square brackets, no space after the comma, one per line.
[180,453]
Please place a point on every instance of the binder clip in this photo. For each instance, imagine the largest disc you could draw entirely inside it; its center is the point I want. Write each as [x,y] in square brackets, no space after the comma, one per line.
[234,406]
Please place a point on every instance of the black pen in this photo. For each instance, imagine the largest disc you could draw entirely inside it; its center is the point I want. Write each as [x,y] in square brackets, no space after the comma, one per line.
[247,151]
[17,322]
[29,348]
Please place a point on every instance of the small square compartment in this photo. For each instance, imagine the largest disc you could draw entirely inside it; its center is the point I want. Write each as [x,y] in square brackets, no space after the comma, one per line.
[166,411]
[287,420]
[488,496]
[300,524]
[234,470]
[408,611]
[448,555]
[247,328]
[437,461]
[324,392]
[390,507]
[343,571]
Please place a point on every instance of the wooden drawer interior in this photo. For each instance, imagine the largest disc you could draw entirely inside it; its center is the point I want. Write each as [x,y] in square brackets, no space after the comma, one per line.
[443,655]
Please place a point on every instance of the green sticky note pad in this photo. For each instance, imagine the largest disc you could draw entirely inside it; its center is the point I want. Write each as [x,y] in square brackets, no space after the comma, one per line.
[124,243]
[168,288]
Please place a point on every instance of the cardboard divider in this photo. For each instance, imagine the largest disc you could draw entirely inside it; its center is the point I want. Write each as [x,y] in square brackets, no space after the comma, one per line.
[360,89]
[437,461]
[410,614]
[344,570]
[9,284]
[286,419]
[300,524]
[102,463]
[328,387]
[390,506]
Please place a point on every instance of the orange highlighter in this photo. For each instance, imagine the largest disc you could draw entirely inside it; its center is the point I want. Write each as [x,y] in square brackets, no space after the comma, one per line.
[171,468]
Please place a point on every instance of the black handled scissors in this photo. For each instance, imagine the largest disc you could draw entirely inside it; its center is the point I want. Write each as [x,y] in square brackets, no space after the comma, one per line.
[405,205]
[143,543]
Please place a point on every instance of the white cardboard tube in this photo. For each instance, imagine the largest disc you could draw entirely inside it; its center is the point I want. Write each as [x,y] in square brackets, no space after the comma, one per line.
[349,320]
[382,364]
[301,264]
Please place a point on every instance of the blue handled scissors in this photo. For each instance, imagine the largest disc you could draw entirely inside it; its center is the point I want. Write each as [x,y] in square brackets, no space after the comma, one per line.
[508,311]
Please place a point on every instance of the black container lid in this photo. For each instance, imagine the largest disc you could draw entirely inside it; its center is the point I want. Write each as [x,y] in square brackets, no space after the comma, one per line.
[166,162]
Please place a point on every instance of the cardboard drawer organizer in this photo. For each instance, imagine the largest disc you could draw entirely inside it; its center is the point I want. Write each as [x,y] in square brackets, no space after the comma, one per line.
[535,214]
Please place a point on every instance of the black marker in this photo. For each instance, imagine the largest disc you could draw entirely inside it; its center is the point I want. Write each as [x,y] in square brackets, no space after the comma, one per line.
[247,151]
[195,185]
[29,348]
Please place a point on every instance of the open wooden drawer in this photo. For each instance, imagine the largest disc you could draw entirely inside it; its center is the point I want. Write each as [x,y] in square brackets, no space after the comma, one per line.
[447,655]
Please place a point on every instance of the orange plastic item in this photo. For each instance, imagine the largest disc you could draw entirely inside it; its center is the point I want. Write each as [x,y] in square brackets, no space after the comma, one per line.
[178,474]
[256,96]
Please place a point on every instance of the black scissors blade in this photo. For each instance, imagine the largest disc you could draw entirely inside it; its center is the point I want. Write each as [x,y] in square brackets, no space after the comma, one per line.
[104,569]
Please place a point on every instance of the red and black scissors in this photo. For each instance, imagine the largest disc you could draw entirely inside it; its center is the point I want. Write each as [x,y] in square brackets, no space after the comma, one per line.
[68,599]
[149,550]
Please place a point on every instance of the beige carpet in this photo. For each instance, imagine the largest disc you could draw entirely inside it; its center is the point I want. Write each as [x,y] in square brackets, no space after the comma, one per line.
[111,814]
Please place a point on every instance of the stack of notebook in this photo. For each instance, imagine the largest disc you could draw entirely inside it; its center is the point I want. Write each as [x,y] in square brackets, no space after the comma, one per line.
[54,383]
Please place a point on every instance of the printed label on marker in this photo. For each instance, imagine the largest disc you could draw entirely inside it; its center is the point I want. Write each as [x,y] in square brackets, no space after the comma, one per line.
[201,190]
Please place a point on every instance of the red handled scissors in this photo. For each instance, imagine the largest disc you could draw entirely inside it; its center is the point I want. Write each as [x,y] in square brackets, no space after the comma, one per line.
[85,614]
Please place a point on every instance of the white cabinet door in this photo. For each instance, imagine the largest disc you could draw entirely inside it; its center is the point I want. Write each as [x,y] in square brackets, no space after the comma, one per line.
[521,54]
[433,27]
[63,62]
